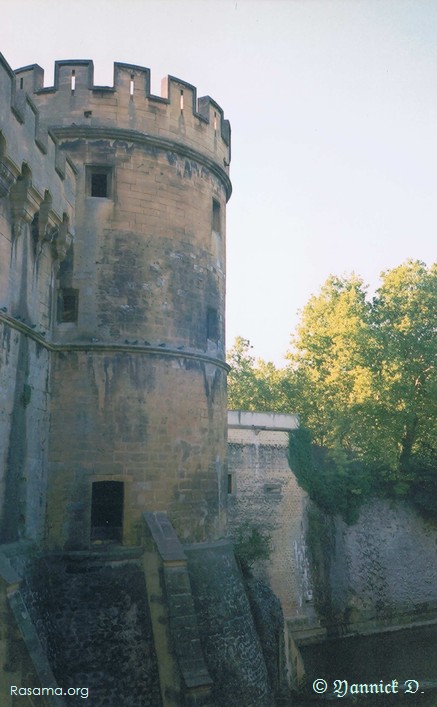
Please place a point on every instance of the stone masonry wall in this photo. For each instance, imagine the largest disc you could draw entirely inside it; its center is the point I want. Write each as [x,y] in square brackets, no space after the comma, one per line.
[230,643]
[380,572]
[265,494]
[377,573]
[134,419]
[36,207]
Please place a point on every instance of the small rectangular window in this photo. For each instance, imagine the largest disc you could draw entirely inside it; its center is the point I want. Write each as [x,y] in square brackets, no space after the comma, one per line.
[68,305]
[212,324]
[99,182]
[230,485]
[216,216]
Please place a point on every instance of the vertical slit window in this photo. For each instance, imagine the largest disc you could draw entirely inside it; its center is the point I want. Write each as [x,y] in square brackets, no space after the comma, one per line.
[68,306]
[212,324]
[216,216]
[73,81]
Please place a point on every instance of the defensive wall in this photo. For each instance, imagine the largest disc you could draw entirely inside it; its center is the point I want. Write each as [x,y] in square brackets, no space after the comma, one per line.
[331,578]
[264,494]
[37,200]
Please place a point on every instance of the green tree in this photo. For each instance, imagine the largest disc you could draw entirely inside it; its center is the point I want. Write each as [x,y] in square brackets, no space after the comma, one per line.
[254,384]
[405,389]
[362,376]
[328,373]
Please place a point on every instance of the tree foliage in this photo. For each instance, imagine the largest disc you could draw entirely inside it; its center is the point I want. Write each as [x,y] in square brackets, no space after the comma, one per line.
[254,384]
[251,544]
[362,376]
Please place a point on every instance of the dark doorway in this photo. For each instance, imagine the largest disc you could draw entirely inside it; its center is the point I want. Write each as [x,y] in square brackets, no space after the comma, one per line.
[107,511]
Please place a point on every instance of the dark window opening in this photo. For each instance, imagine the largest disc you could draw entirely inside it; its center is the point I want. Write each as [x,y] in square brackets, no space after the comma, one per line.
[68,305]
[99,182]
[107,511]
[212,324]
[34,229]
[230,485]
[66,268]
[99,185]
[215,216]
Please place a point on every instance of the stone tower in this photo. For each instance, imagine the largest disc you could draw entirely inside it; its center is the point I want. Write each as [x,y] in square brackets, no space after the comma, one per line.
[138,373]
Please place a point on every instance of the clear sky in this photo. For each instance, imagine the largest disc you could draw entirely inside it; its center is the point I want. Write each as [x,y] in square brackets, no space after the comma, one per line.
[333,108]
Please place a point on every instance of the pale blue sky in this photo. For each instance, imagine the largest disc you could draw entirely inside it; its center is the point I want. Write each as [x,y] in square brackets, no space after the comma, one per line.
[333,107]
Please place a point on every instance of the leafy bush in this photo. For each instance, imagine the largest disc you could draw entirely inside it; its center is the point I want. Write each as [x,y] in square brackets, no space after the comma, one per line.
[337,483]
[251,544]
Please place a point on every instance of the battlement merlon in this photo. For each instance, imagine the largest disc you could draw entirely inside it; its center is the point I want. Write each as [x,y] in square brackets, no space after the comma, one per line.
[129,104]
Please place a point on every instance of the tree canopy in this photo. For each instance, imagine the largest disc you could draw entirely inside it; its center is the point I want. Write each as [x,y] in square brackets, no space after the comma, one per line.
[255,384]
[362,376]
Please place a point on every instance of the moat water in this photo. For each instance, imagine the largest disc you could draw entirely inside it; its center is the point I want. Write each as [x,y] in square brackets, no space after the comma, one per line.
[394,668]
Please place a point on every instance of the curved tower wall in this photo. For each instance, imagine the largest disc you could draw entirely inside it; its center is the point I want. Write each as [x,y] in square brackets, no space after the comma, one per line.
[138,378]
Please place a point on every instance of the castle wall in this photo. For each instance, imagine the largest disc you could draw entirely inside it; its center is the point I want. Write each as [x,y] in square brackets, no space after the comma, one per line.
[126,423]
[36,205]
[266,495]
[228,635]
[378,573]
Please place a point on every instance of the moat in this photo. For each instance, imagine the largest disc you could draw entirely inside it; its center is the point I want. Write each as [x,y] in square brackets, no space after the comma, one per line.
[404,660]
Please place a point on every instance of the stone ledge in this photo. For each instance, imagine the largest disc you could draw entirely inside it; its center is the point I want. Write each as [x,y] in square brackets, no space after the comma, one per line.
[56,347]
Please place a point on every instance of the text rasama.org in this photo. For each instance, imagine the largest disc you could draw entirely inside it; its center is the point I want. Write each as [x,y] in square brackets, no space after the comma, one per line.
[50,691]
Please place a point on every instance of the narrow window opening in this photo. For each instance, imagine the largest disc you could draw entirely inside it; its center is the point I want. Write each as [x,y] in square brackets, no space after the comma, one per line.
[131,85]
[215,216]
[68,305]
[212,324]
[107,511]
[21,82]
[182,101]
[73,81]
[230,484]
[215,121]
[34,229]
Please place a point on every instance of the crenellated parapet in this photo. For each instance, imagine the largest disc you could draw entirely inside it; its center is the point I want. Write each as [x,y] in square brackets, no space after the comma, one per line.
[75,106]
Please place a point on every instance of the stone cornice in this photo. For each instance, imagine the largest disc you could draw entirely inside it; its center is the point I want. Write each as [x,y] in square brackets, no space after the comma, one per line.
[110,133]
[101,347]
